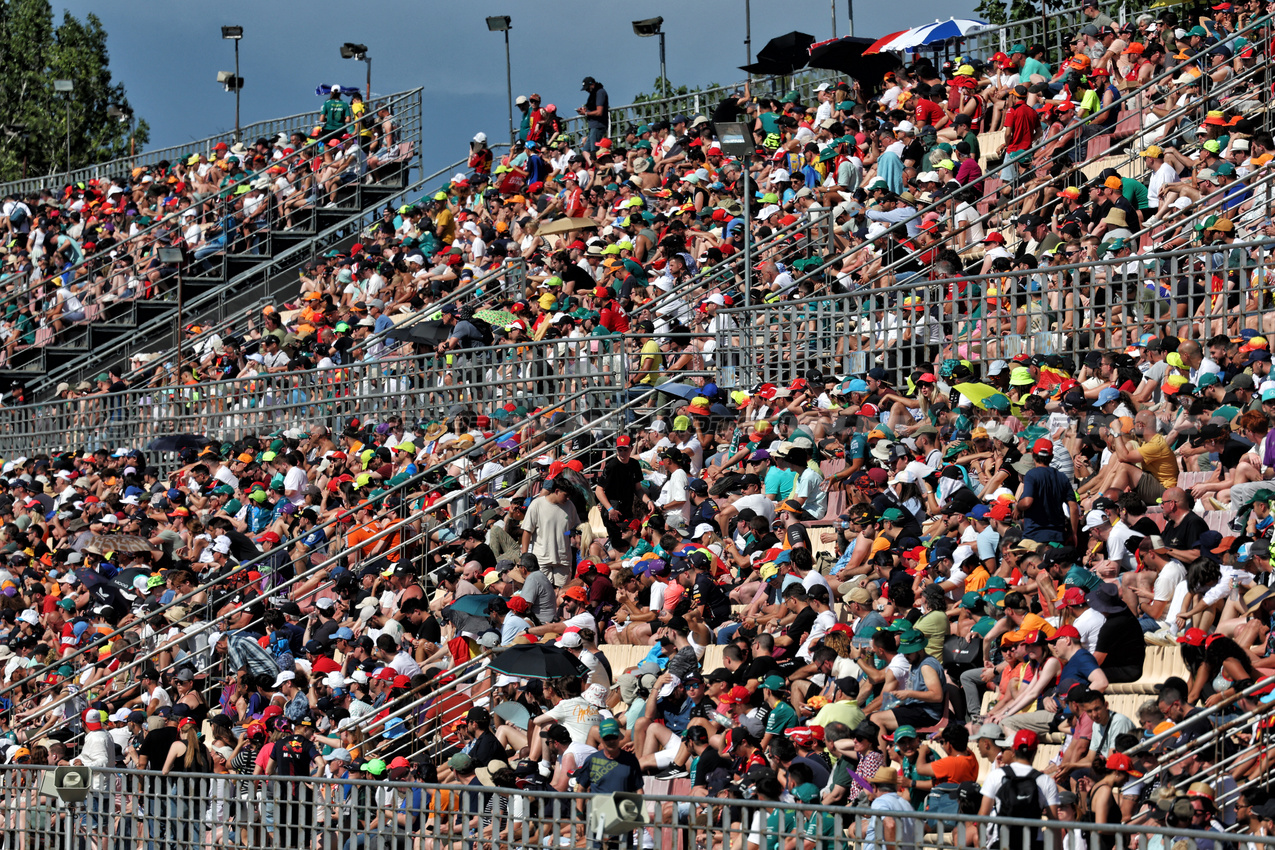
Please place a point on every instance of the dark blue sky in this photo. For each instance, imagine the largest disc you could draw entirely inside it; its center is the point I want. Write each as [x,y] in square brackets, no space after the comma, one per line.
[167,54]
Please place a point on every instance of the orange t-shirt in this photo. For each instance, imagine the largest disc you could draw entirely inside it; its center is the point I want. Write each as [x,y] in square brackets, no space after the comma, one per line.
[961,767]
[360,533]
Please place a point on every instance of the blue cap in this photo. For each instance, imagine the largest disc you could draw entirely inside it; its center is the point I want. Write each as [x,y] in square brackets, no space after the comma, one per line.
[394,728]
[979,512]
[857,385]
[343,633]
[1107,395]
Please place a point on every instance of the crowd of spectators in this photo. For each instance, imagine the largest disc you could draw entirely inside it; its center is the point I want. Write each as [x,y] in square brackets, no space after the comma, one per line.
[69,254]
[890,589]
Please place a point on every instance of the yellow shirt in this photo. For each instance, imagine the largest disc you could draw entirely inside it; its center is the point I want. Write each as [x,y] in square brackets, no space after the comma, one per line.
[1159,460]
[650,350]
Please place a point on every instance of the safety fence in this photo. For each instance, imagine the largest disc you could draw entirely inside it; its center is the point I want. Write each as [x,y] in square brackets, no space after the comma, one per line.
[499,808]
[301,122]
[1074,303]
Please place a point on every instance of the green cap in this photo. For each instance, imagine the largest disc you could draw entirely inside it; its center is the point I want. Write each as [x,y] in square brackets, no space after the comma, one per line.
[1208,379]
[892,514]
[806,792]
[342,327]
[266,457]
[257,496]
[1224,169]
[1032,433]
[997,401]
[774,683]
[608,728]
[997,583]
[904,732]
[65,671]
[1017,48]
[971,600]
[375,767]
[233,507]
[1207,223]
[911,641]
[984,626]
[1197,30]
[66,604]
[103,377]
[1112,245]
[1213,146]
[224,490]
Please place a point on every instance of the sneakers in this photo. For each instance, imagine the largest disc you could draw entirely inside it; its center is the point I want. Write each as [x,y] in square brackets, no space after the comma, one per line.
[673,772]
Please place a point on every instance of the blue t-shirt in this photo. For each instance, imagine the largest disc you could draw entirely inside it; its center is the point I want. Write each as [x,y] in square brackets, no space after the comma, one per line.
[601,775]
[780,481]
[1077,669]
[1046,521]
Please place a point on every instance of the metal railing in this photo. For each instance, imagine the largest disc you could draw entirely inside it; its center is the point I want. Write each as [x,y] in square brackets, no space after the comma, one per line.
[302,122]
[355,809]
[1069,307]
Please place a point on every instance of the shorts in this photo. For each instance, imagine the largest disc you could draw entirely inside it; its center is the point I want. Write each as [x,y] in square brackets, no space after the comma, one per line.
[913,715]
[75,316]
[1149,489]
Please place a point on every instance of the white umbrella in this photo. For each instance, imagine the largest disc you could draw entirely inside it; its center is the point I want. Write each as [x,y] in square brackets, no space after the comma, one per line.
[934,33]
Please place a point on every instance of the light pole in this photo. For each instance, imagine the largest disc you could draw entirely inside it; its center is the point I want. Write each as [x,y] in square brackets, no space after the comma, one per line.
[646,29]
[737,140]
[504,23]
[234,34]
[124,115]
[173,256]
[349,50]
[66,87]
[850,4]
[748,32]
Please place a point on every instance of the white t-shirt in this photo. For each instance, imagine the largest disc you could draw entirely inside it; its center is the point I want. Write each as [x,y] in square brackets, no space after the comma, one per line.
[759,503]
[823,622]
[674,490]
[578,715]
[1161,177]
[1047,791]
[1089,624]
[296,480]
[1166,587]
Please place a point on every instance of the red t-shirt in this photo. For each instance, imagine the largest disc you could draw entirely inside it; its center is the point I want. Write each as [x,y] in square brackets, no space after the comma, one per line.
[1020,128]
[928,112]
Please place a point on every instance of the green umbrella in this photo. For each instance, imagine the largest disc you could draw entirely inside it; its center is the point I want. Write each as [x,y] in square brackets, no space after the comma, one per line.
[499,318]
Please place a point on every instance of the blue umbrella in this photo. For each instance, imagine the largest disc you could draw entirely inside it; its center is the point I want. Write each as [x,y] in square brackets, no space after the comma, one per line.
[475,604]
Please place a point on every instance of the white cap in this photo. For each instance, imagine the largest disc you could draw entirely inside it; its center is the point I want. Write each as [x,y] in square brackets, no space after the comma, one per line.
[335,680]
[121,715]
[1095,519]
[30,617]
[716,298]
[673,682]
[480,137]
[823,87]
[222,545]
[702,529]
[767,211]
[906,127]
[285,676]
[503,680]
[996,367]
[875,230]
[779,175]
[569,640]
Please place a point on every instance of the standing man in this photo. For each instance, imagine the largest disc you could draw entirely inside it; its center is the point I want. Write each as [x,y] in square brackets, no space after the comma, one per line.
[336,113]
[596,112]
[546,532]
[617,487]
[1048,505]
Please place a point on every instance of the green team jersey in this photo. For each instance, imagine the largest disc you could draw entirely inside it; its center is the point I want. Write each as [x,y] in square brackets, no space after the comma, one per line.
[336,113]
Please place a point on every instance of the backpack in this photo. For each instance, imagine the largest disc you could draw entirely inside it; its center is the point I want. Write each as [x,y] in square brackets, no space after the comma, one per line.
[944,799]
[484,328]
[1018,797]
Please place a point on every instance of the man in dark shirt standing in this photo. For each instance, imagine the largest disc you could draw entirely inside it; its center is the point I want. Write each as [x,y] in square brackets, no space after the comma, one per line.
[1117,652]
[1045,492]
[617,487]
[595,112]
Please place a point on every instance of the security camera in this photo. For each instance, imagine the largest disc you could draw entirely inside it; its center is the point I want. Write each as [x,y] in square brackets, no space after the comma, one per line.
[349,50]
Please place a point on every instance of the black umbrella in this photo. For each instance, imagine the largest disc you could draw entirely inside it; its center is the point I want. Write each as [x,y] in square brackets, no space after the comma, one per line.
[782,55]
[431,332]
[177,442]
[537,661]
[846,55]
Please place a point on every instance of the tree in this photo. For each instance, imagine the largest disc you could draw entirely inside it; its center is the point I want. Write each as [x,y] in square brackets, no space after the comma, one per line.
[35,52]
[682,99]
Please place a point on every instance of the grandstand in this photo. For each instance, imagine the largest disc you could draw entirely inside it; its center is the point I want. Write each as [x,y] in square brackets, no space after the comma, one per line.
[551,473]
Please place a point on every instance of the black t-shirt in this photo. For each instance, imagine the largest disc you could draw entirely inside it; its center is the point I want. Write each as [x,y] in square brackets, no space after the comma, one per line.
[759,668]
[483,555]
[708,761]
[716,603]
[802,624]
[486,748]
[578,276]
[1234,449]
[1185,534]
[1121,638]
[157,744]
[620,482]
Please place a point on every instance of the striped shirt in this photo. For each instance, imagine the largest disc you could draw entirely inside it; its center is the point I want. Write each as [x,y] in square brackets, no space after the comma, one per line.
[242,650]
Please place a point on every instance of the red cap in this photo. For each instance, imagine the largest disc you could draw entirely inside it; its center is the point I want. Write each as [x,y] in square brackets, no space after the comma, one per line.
[839,627]
[1068,631]
[736,695]
[1120,761]
[799,384]
[602,292]
[518,605]
[622,441]
[1043,447]
[994,237]
[1193,637]
[268,537]
[271,711]
[1073,596]
[915,553]
[585,567]
[399,763]
[1025,738]
[385,674]
[402,682]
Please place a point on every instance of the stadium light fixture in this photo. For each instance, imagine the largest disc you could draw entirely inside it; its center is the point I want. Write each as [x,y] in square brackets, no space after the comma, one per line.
[234,34]
[66,87]
[350,50]
[646,29]
[504,23]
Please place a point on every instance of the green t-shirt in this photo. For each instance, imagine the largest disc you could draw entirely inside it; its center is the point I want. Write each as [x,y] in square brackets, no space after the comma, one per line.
[336,113]
[781,718]
[1134,192]
[1033,66]
[934,626]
